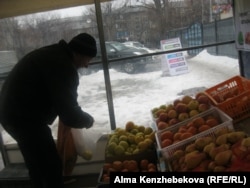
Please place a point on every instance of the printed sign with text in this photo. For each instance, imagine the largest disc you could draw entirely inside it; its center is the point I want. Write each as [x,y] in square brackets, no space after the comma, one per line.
[174,63]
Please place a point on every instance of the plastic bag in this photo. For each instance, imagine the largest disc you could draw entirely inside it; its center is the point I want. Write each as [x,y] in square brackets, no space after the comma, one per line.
[66,148]
[84,143]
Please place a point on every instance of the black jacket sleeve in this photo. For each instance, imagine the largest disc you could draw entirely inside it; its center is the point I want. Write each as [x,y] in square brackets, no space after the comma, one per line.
[62,81]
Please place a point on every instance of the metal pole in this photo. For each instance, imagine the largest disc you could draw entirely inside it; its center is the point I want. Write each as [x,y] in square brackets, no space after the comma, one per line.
[210,11]
[216,33]
[202,11]
[105,64]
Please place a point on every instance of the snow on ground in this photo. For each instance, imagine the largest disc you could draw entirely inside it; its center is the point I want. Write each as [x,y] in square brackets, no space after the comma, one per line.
[135,95]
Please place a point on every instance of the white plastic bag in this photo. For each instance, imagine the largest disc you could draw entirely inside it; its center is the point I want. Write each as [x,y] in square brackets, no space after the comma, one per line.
[84,144]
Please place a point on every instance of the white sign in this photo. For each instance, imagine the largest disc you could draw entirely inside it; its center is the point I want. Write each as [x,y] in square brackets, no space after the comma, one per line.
[174,63]
[242,24]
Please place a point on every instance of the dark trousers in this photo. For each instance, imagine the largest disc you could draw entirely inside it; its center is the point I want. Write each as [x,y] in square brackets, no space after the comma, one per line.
[40,154]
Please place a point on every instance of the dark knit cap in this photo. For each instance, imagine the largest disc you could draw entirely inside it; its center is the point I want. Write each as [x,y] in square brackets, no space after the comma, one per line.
[83,44]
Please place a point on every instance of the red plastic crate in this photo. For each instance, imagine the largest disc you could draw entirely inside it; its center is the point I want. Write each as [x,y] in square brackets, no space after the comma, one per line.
[232,97]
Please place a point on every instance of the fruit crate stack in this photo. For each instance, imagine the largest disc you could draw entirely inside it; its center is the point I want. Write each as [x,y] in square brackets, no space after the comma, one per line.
[232,97]
[204,124]
[130,149]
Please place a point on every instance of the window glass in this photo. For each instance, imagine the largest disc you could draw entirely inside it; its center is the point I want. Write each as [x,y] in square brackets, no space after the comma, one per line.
[142,83]
[22,34]
[143,80]
[142,77]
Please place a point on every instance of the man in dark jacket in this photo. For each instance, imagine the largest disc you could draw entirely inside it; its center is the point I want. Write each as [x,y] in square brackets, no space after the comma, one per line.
[42,86]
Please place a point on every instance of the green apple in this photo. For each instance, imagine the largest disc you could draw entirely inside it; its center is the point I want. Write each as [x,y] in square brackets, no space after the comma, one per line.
[193,105]
[87,155]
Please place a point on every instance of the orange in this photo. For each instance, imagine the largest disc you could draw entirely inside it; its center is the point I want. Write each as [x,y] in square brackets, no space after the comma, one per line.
[198,121]
[186,135]
[132,166]
[117,165]
[186,99]
[166,142]
[192,130]
[212,122]
[176,101]
[125,163]
[197,95]
[151,165]
[159,112]
[129,126]
[144,164]
[203,128]
[106,178]
[151,170]
[182,130]
[203,99]
[173,121]
[177,136]
[163,116]
[104,175]
[167,134]
[162,125]
[190,124]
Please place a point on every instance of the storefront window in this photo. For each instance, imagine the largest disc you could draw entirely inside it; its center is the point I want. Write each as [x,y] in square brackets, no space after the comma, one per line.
[152,81]
[140,78]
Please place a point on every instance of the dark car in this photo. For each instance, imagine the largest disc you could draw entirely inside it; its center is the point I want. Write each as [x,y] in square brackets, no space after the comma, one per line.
[119,50]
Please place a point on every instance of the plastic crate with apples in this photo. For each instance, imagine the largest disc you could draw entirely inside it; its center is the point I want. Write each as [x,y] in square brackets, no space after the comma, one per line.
[203,124]
[221,149]
[232,96]
[180,110]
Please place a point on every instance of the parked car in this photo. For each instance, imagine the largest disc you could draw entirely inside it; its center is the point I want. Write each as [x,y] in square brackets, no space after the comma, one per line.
[118,50]
[139,45]
[134,43]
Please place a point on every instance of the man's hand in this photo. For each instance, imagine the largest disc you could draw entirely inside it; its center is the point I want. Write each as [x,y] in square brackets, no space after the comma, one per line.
[90,122]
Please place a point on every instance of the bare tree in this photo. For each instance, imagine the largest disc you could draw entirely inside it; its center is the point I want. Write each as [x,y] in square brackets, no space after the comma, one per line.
[112,16]
[12,35]
[142,20]
[40,29]
[26,33]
